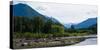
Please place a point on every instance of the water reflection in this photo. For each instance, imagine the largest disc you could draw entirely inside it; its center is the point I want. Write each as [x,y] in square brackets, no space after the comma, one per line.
[89,41]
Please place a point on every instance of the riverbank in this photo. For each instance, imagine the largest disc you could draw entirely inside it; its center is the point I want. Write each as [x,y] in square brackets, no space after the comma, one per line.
[89,41]
[49,42]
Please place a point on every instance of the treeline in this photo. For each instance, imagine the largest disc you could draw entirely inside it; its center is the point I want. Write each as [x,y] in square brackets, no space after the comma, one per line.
[42,27]
[90,30]
[36,24]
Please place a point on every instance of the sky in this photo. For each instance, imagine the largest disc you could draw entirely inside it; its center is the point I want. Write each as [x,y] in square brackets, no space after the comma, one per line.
[65,13]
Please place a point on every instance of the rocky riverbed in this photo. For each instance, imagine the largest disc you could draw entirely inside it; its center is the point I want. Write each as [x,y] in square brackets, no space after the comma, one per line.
[48,42]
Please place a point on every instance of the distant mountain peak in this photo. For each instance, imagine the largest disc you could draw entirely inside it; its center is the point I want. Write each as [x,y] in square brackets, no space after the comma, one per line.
[21,4]
[87,23]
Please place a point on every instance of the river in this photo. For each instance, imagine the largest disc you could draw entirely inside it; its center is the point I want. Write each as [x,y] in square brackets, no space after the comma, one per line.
[89,41]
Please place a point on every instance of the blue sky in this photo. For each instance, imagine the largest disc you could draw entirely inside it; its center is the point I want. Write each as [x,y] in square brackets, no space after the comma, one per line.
[65,13]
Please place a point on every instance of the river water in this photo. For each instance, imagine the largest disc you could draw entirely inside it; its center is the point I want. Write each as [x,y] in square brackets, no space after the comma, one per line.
[89,41]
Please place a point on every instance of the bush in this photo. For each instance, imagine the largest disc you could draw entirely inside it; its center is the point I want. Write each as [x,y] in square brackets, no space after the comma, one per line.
[28,35]
[57,29]
[17,35]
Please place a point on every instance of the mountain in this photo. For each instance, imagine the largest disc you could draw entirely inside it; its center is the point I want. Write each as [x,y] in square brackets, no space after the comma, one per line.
[87,23]
[24,10]
[68,25]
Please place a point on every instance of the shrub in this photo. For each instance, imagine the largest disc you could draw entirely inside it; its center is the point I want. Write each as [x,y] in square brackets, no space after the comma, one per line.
[57,29]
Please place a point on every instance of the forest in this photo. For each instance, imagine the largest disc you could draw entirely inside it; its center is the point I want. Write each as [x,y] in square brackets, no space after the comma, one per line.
[40,27]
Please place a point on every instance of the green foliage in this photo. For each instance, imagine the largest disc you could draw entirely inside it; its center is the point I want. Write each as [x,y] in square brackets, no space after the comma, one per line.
[38,27]
[38,23]
[28,35]
[57,29]
[47,26]
[17,35]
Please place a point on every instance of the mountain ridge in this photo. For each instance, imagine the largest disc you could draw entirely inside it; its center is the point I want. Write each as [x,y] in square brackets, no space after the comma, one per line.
[87,23]
[24,10]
